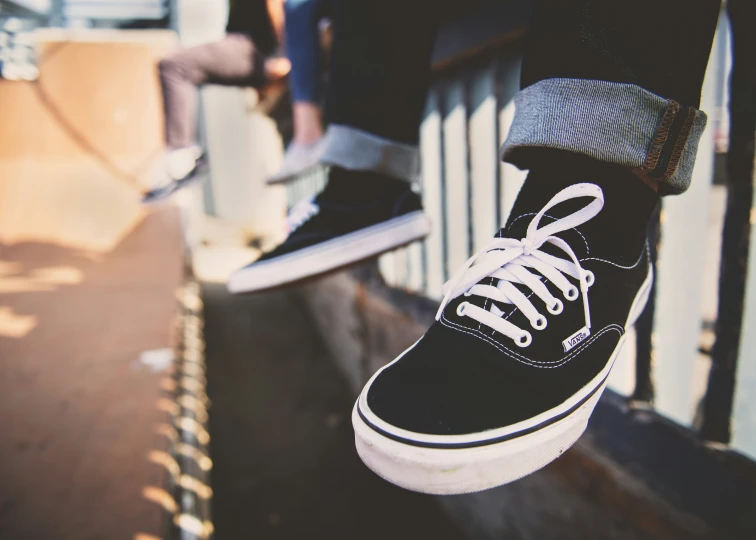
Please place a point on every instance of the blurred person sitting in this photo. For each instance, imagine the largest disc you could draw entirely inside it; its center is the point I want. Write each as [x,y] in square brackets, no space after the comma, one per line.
[304,50]
[245,56]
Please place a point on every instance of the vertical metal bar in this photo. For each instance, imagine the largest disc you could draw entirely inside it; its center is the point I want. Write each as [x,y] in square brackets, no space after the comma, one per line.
[483,156]
[466,84]
[744,406]
[400,270]
[431,151]
[456,209]
[644,387]
[415,267]
[387,265]
[717,407]
[511,178]
[678,308]
[497,96]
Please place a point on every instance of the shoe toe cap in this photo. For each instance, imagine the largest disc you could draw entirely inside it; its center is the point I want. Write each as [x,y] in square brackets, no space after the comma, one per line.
[451,383]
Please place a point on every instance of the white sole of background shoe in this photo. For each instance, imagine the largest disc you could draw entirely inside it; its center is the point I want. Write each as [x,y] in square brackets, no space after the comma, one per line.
[450,471]
[286,177]
[332,254]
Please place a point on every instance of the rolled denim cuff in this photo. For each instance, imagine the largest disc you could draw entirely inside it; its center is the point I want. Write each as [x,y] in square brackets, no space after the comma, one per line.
[611,122]
[354,149]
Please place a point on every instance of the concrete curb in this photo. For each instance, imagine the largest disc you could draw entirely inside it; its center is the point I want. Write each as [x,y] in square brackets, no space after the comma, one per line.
[585,494]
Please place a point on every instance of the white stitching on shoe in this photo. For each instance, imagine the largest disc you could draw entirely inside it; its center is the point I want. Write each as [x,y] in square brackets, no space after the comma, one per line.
[528,361]
[516,308]
[587,248]
[492,341]
[640,258]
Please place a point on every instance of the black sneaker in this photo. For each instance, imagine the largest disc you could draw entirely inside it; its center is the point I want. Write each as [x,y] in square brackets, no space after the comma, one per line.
[508,375]
[356,217]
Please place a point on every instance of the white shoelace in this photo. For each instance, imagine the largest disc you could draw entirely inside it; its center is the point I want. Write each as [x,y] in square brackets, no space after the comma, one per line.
[300,213]
[507,260]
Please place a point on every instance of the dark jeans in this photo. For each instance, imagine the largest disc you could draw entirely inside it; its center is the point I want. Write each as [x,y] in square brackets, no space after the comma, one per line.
[303,48]
[380,65]
[660,45]
[655,51]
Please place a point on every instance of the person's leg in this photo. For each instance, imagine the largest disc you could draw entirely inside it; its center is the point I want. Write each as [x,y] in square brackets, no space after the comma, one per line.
[507,377]
[303,48]
[231,60]
[717,406]
[377,89]
[641,63]
[308,122]
[599,101]
[380,71]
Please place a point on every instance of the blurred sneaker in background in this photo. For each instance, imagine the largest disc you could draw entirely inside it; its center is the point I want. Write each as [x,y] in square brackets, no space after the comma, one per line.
[359,215]
[298,159]
[183,167]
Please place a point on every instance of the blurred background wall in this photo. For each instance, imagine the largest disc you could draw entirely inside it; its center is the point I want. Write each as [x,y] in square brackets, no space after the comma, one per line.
[79,143]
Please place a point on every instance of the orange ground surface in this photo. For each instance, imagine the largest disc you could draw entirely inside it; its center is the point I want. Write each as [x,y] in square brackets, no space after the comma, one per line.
[78,409]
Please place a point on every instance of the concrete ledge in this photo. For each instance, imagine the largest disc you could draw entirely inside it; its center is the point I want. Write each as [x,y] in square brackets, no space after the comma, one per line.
[588,493]
[364,323]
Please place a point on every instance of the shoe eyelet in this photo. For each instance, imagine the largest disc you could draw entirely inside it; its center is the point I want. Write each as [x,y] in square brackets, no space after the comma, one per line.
[539,323]
[461,309]
[590,279]
[557,308]
[524,340]
[572,293]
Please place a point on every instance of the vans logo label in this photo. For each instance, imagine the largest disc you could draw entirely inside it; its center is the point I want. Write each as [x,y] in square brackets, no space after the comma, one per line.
[575,338]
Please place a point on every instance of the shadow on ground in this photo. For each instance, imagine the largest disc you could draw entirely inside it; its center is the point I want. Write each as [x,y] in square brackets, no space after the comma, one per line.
[282,442]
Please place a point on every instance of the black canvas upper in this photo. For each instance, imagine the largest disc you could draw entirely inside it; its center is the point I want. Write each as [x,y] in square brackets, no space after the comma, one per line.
[351,201]
[463,377]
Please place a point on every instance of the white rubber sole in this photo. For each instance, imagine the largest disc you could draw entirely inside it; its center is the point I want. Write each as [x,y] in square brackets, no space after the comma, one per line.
[160,195]
[290,177]
[449,471]
[332,254]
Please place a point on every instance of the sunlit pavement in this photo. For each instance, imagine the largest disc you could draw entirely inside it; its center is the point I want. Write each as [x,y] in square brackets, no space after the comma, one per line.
[78,409]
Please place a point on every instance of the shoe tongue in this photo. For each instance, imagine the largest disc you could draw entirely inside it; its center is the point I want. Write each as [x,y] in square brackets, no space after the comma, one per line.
[618,232]
[517,225]
[517,228]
